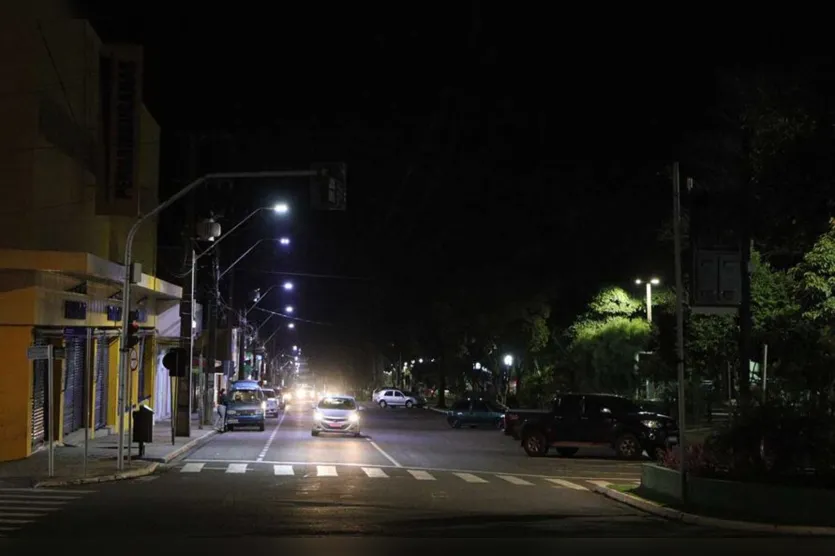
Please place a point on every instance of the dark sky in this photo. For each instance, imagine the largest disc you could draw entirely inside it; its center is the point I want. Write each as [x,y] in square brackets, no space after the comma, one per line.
[502,148]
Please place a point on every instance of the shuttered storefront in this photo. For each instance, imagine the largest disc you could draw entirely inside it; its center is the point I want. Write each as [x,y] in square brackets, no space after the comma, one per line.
[102,377]
[39,402]
[74,384]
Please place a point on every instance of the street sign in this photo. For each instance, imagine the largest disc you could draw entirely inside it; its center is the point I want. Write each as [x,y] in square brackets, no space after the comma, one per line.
[134,359]
[35,353]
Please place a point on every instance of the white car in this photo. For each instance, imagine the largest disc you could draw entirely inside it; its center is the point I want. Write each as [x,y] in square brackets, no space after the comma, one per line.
[395,398]
[336,414]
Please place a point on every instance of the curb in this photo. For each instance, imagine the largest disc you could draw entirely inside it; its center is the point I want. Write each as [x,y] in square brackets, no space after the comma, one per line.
[694,519]
[436,410]
[190,445]
[132,474]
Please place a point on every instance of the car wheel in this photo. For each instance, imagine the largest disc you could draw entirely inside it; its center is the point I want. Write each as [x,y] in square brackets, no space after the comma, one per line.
[383,404]
[230,428]
[628,447]
[455,423]
[409,404]
[357,434]
[566,452]
[535,445]
[262,426]
[314,433]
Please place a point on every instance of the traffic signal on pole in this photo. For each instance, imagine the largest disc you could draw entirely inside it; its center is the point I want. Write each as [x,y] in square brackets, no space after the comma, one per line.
[176,361]
[133,333]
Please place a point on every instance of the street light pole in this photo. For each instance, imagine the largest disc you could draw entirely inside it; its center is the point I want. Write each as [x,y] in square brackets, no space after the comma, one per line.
[126,283]
[679,330]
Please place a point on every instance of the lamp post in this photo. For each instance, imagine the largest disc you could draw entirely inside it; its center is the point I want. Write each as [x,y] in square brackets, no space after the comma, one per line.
[649,283]
[132,274]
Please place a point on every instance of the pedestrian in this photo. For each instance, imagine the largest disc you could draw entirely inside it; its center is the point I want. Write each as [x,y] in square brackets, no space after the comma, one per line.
[220,422]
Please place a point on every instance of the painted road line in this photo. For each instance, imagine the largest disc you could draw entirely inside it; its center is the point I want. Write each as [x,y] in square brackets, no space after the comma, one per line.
[421,475]
[192,468]
[326,471]
[375,472]
[385,455]
[46,490]
[469,478]
[566,484]
[236,468]
[16,521]
[283,470]
[266,448]
[30,497]
[514,480]
[32,502]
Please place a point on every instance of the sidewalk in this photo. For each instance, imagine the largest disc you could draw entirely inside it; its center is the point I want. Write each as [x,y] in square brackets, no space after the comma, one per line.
[101,459]
[630,494]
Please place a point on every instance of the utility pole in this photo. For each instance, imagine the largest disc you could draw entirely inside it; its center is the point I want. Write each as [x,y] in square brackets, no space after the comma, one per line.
[241,344]
[211,352]
[679,330]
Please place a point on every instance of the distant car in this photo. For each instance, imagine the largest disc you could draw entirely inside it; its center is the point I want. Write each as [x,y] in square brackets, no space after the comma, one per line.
[420,401]
[395,398]
[378,392]
[273,404]
[336,414]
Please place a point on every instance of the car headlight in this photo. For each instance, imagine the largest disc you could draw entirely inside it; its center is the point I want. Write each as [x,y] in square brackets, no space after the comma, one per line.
[652,424]
[231,412]
[354,418]
[317,416]
[263,406]
[288,397]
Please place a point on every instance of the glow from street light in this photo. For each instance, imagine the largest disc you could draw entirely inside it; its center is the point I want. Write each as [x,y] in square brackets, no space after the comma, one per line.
[508,360]
[284,241]
[288,286]
[295,348]
[291,325]
[289,309]
[655,281]
[281,208]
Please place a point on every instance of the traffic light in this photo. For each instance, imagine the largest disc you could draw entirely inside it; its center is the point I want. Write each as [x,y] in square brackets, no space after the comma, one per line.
[176,361]
[133,333]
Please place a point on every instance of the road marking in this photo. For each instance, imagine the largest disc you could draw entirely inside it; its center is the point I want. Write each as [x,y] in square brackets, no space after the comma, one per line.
[192,468]
[47,490]
[283,470]
[514,480]
[566,484]
[16,521]
[236,468]
[385,455]
[263,453]
[27,509]
[48,497]
[421,475]
[375,472]
[4,513]
[613,478]
[325,471]
[33,502]
[469,478]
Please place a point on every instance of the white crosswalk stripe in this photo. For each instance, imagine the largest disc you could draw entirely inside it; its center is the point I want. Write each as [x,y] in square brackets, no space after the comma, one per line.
[421,475]
[283,470]
[20,507]
[192,467]
[326,471]
[236,468]
[375,472]
[566,484]
[470,478]
[515,480]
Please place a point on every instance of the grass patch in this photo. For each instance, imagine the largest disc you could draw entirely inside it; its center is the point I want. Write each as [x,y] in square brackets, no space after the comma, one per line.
[626,489]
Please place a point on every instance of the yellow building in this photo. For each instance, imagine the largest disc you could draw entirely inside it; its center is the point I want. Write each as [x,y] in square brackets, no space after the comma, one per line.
[79,160]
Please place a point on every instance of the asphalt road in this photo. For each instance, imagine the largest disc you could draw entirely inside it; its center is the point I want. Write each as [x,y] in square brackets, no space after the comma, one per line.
[410,475]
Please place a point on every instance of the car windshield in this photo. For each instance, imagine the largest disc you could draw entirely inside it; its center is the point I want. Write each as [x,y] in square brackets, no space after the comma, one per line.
[337,403]
[246,396]
[269,393]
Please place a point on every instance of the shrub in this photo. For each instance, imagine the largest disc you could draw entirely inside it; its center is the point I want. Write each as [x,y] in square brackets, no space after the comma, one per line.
[700,461]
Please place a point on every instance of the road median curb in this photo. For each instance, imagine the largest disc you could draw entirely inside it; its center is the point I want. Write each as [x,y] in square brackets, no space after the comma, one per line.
[653,508]
[131,474]
[437,410]
[188,446]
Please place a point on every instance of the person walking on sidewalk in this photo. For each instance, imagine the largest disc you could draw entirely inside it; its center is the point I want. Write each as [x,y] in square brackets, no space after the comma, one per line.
[220,422]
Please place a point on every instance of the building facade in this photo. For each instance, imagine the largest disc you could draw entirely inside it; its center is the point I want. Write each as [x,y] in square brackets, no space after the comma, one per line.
[79,161]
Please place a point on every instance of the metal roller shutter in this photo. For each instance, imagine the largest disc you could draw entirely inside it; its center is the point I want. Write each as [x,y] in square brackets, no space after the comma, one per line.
[74,384]
[102,376]
[40,405]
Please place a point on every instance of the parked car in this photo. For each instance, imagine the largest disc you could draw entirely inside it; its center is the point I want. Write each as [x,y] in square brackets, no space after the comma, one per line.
[598,420]
[246,405]
[420,401]
[475,412]
[395,398]
[375,396]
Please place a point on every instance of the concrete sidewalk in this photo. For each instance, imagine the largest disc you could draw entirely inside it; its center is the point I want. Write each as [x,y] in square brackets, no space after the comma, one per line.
[101,459]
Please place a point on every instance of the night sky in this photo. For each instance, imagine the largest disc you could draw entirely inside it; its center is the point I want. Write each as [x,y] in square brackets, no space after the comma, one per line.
[498,149]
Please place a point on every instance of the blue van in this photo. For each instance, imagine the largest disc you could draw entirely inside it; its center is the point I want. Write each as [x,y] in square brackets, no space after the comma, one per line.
[245,406]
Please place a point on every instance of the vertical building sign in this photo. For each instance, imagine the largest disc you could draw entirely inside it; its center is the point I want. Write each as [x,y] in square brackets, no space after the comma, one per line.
[121,100]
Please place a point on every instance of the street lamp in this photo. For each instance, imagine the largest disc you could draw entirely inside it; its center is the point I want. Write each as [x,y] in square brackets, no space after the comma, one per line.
[284,241]
[288,286]
[289,309]
[281,208]
[508,360]
[291,326]
[651,282]
[295,348]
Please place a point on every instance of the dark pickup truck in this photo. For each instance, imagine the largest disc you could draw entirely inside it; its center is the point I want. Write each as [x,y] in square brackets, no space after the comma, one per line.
[597,420]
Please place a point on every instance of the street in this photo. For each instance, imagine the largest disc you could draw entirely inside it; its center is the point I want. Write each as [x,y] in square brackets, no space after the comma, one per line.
[410,475]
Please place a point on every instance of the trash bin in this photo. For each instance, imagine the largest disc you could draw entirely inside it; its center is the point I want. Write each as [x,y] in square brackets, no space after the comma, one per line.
[143,427]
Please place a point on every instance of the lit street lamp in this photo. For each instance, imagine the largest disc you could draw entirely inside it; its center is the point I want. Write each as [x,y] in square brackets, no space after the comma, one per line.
[651,282]
[295,348]
[288,286]
[284,241]
[281,208]
[291,326]
[289,309]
